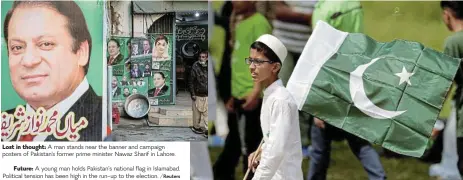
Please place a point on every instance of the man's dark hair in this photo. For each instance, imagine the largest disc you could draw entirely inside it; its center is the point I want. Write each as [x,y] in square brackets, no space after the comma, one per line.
[264,49]
[162,74]
[116,41]
[204,52]
[455,6]
[76,24]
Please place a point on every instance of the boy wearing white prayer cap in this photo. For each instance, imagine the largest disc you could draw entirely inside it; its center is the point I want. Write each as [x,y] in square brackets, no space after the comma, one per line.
[281,153]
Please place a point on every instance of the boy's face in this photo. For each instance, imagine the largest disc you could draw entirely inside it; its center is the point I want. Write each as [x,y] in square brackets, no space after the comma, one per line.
[262,70]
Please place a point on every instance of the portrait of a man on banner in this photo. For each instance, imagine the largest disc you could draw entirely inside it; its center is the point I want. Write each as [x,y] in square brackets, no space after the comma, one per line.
[49,70]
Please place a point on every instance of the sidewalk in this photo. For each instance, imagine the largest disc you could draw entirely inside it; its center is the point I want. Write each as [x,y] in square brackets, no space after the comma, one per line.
[139,130]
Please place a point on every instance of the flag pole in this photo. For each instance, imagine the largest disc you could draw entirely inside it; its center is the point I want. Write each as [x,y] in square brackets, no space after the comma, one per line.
[252,159]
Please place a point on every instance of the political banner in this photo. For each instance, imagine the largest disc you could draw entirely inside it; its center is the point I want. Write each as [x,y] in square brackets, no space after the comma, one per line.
[162,47]
[161,88]
[52,75]
[162,70]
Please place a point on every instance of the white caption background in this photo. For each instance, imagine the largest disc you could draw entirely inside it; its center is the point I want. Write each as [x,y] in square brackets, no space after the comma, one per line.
[141,164]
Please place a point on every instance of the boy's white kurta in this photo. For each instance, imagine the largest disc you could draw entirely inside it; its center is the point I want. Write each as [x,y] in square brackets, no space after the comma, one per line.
[281,156]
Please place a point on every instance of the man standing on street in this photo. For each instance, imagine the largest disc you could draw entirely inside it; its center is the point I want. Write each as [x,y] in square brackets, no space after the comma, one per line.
[197,85]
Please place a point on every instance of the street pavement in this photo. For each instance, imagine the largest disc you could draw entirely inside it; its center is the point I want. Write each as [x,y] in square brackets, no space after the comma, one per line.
[130,129]
[141,132]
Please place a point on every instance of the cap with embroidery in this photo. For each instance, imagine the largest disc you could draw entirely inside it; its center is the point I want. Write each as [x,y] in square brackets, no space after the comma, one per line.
[275,44]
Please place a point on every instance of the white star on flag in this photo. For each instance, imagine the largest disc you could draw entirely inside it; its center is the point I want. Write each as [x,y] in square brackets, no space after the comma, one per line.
[404,76]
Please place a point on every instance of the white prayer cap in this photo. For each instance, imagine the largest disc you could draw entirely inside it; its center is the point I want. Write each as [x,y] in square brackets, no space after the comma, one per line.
[275,44]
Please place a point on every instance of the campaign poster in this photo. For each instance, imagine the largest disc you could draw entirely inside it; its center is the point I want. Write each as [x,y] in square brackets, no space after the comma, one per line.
[118,82]
[160,88]
[119,50]
[162,47]
[161,81]
[140,74]
[141,47]
[52,75]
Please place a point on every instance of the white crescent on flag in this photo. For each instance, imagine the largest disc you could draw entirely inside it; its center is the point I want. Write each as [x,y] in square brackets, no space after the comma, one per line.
[360,99]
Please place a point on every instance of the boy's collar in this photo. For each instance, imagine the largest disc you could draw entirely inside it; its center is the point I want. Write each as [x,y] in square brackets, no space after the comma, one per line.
[273,86]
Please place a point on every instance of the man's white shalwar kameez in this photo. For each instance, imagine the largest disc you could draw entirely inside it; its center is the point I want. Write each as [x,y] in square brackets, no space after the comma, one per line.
[281,156]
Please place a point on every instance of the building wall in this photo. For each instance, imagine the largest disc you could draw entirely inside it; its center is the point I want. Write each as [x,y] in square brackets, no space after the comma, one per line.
[121,18]
[142,22]
[120,14]
[168,6]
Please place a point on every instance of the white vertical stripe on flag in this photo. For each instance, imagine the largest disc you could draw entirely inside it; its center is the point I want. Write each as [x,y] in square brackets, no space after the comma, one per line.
[322,44]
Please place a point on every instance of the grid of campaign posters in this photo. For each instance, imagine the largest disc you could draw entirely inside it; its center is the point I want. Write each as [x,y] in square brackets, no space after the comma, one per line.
[143,66]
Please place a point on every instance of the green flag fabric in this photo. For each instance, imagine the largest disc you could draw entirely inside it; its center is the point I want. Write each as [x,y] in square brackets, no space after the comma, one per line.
[386,93]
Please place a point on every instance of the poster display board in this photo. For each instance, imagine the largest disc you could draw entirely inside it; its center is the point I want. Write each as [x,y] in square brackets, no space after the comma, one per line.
[147,71]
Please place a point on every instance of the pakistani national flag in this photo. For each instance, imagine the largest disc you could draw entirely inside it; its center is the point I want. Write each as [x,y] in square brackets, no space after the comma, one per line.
[387,93]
